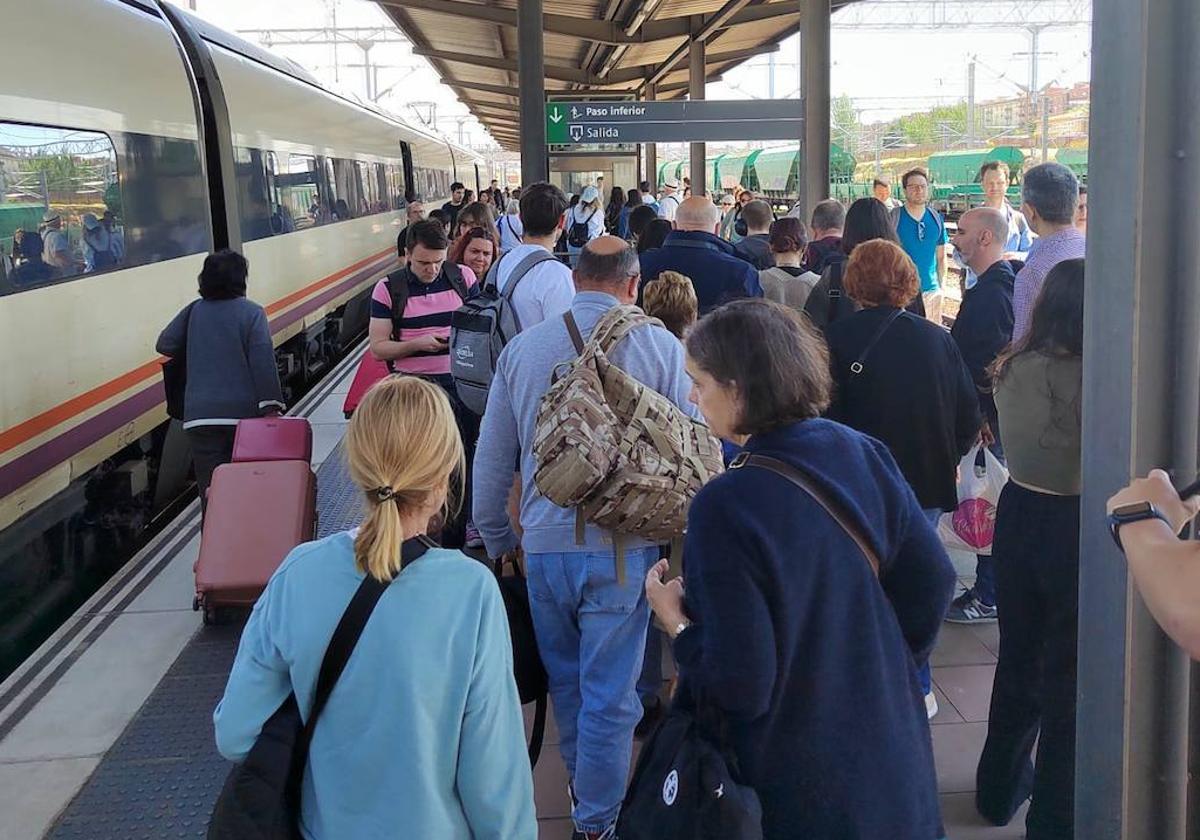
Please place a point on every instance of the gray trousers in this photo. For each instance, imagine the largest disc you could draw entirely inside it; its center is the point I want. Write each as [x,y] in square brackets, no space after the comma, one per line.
[211,447]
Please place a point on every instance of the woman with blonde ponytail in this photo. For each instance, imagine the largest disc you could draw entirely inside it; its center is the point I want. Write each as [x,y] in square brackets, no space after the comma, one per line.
[422,735]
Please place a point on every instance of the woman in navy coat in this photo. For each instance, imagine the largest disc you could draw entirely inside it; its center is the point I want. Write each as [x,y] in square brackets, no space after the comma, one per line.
[785,628]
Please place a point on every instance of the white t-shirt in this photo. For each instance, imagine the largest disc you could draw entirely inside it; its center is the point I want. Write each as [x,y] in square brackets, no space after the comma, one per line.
[511,231]
[667,205]
[546,291]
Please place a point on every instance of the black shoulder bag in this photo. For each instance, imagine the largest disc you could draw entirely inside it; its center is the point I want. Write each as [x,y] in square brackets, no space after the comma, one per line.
[261,796]
[174,373]
[533,686]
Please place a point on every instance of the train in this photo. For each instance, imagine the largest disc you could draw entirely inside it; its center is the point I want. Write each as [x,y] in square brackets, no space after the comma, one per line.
[774,173]
[155,138]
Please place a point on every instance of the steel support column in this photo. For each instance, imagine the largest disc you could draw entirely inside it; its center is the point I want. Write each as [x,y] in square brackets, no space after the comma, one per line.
[651,152]
[815,58]
[696,91]
[1140,407]
[531,69]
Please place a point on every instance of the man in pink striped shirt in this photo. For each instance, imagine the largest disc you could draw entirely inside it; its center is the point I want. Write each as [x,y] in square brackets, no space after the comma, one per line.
[414,338]
[1049,195]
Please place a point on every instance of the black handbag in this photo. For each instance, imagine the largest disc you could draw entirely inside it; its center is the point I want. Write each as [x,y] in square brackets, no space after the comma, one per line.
[533,685]
[174,373]
[686,787]
[261,796]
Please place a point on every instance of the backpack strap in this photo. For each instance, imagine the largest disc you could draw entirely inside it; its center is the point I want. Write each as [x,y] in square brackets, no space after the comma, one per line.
[856,367]
[617,323]
[834,291]
[398,291]
[573,331]
[455,277]
[518,274]
[819,495]
[341,646]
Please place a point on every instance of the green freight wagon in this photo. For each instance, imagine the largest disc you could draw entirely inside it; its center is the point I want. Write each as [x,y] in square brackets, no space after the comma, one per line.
[954,177]
[1076,160]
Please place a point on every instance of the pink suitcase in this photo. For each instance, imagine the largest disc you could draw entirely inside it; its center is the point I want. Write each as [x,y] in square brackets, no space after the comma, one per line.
[257,513]
[273,439]
[370,370]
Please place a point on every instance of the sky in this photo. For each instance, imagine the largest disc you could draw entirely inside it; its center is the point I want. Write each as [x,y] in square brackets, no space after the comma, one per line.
[886,73]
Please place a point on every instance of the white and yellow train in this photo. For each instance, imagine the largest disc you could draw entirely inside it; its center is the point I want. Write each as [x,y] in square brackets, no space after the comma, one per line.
[192,140]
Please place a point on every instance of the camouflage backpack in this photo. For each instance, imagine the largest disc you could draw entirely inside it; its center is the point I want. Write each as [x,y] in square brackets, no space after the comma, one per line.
[620,453]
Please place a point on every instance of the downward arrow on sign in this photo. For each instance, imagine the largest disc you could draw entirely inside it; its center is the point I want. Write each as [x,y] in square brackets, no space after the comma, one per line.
[555,116]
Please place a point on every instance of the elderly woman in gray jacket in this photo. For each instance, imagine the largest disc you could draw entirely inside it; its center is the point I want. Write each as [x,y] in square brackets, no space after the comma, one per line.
[231,371]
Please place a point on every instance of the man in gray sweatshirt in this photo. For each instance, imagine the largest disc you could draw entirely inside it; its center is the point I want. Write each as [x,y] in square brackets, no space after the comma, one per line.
[591,630]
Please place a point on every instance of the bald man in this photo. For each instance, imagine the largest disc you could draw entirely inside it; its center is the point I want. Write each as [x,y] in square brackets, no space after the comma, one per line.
[695,250]
[983,328]
[591,629]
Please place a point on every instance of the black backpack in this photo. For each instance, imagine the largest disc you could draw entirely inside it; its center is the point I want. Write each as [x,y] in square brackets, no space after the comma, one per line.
[685,786]
[532,683]
[578,235]
[398,291]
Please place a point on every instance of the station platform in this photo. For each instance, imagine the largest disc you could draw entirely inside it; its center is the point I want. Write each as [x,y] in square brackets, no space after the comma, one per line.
[106,731]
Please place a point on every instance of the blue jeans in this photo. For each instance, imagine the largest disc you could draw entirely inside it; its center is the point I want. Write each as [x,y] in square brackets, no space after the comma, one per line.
[924,674]
[591,632]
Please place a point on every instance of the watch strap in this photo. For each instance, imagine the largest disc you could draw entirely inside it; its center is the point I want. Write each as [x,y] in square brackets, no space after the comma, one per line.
[1117,519]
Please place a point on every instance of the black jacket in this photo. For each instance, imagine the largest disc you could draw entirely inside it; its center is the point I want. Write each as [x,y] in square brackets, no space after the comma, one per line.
[914,394]
[984,327]
[756,250]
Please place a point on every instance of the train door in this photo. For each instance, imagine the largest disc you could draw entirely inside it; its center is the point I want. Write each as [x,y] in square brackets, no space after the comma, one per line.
[410,189]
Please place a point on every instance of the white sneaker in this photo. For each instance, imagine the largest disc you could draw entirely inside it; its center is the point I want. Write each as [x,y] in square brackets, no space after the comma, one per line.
[931,706]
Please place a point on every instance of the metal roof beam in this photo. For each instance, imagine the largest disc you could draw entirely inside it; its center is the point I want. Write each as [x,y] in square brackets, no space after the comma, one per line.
[681,27]
[600,31]
[502,90]
[556,72]
[708,26]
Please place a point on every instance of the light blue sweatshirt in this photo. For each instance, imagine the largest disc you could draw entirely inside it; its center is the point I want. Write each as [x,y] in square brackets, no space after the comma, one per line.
[650,354]
[423,734]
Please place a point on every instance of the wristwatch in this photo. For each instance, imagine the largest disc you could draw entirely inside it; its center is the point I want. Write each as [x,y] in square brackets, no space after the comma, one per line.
[1135,512]
[679,628]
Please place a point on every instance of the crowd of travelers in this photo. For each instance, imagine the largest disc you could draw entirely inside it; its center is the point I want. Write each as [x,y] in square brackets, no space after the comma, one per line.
[56,251]
[813,581]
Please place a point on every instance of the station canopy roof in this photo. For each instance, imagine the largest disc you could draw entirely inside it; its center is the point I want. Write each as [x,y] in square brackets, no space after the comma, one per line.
[591,46]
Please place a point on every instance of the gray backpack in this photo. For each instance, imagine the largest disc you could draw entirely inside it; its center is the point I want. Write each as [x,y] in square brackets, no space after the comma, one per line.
[481,327]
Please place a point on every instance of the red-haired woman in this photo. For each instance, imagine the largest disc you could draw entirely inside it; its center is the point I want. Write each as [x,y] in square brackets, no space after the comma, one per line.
[900,379]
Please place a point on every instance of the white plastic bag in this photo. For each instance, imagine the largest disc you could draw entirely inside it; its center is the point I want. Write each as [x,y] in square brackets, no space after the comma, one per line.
[971,527]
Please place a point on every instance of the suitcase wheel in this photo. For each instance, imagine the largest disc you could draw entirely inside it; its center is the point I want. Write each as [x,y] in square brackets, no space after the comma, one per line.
[196,604]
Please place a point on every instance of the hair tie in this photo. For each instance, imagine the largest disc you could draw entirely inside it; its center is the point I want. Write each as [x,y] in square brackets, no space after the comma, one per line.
[384,493]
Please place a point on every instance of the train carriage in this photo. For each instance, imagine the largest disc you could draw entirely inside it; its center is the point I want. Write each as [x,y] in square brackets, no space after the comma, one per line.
[191,139]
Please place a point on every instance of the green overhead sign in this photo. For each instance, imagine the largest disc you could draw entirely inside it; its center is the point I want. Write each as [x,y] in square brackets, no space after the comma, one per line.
[581,122]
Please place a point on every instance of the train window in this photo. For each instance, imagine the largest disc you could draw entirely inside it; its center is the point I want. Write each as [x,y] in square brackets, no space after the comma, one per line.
[60,187]
[382,202]
[397,188]
[164,198]
[254,193]
[345,187]
[331,187]
[368,188]
[296,192]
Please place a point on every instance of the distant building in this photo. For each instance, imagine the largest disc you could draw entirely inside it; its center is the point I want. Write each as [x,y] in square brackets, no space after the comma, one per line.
[1021,111]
